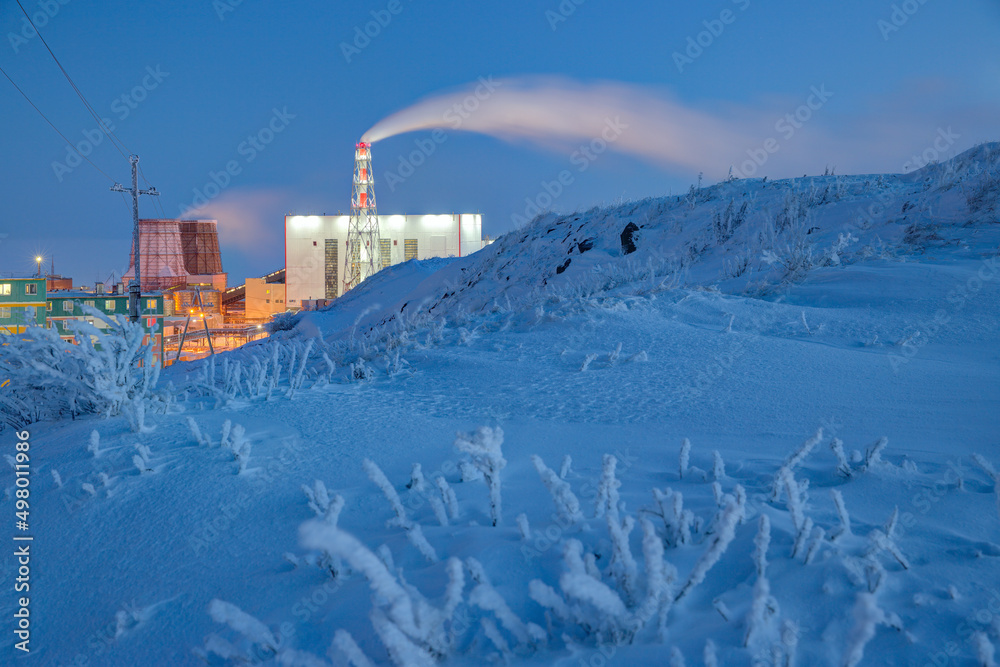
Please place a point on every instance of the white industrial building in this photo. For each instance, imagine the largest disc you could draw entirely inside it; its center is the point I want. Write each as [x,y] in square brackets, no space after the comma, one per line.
[315,247]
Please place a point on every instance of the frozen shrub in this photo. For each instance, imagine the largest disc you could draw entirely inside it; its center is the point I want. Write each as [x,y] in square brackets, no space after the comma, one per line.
[867,616]
[321,504]
[873,456]
[725,532]
[243,623]
[483,446]
[566,502]
[522,526]
[95,444]
[376,475]
[660,576]
[843,467]
[984,650]
[469,472]
[416,478]
[793,461]
[718,466]
[608,610]
[564,469]
[607,489]
[447,496]
[344,642]
[106,371]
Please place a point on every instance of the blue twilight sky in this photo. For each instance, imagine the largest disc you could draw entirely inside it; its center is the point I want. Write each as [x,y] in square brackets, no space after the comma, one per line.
[902,76]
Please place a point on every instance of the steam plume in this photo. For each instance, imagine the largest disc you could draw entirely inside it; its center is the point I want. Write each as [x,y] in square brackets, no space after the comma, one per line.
[561,114]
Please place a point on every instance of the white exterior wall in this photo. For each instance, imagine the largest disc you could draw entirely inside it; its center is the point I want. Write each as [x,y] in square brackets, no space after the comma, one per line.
[451,235]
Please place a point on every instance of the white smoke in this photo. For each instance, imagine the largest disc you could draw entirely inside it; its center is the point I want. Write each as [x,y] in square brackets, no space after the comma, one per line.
[559,113]
[777,136]
[245,218]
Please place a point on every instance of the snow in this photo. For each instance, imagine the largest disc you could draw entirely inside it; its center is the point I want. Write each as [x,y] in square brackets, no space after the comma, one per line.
[746,339]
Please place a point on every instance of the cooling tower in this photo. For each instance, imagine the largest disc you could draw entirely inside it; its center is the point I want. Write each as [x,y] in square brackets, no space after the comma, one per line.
[171,250]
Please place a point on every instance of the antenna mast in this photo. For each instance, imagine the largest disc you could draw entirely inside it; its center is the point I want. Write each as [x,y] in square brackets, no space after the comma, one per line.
[364,248]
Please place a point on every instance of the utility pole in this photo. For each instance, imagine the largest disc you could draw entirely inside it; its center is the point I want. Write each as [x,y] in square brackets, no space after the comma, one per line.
[134,287]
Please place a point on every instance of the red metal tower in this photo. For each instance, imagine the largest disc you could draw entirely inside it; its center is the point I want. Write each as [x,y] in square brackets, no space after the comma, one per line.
[364,250]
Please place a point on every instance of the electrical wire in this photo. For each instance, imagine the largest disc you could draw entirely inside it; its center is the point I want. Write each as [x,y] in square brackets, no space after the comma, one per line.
[52,125]
[112,137]
[100,123]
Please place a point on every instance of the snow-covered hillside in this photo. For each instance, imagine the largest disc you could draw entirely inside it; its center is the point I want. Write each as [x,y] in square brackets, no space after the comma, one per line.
[768,435]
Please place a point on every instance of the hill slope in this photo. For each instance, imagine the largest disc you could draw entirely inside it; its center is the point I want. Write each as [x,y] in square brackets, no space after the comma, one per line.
[806,316]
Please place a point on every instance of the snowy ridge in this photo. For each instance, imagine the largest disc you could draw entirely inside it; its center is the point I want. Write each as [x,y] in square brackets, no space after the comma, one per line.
[661,457]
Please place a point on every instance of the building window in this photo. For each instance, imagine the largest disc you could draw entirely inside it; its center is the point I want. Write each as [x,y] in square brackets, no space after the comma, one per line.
[409,249]
[67,306]
[151,303]
[330,269]
[4,312]
[48,306]
[267,301]
[90,303]
[109,305]
[4,289]
[386,247]
[31,289]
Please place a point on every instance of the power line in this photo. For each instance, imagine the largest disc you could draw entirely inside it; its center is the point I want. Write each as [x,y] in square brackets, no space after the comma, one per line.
[68,142]
[111,135]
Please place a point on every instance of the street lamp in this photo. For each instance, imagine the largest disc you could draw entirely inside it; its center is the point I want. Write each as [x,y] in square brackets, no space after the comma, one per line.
[38,261]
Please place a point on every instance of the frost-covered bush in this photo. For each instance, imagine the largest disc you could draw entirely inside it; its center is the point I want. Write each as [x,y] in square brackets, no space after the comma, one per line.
[105,371]
[483,446]
[282,322]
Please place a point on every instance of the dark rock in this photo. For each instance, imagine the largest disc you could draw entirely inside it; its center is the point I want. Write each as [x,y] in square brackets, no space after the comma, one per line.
[628,238]
[585,245]
[562,267]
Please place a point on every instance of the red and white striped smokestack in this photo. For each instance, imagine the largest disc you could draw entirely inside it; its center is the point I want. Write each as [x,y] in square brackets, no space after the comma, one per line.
[364,257]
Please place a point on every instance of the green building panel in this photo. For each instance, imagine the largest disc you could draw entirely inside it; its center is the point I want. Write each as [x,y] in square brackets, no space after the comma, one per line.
[22,303]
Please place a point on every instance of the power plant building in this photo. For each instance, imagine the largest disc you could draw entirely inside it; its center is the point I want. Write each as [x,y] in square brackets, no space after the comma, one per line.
[315,248]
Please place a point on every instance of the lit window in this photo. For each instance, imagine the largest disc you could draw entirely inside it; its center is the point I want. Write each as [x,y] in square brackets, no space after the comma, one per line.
[48,306]
[4,289]
[31,288]
[67,306]
[151,304]
[109,305]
